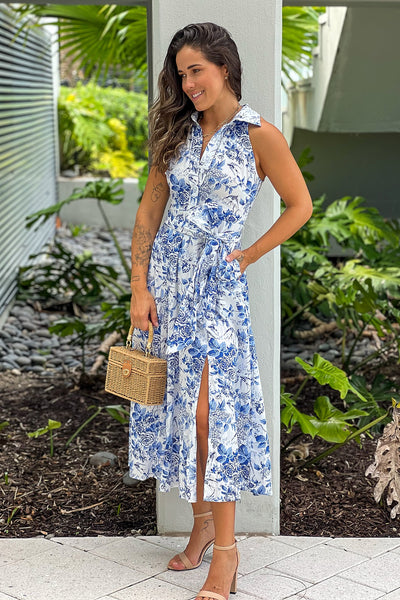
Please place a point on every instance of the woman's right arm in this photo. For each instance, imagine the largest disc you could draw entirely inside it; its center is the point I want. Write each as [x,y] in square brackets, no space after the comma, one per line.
[147,223]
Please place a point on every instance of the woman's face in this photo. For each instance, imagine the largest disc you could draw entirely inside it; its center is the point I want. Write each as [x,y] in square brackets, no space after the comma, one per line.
[202,81]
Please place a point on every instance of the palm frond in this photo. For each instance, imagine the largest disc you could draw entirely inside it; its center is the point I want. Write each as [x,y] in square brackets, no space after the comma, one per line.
[299,36]
[98,37]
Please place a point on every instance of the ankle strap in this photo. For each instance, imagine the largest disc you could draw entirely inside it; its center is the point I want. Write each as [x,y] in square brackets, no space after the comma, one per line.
[224,547]
[206,514]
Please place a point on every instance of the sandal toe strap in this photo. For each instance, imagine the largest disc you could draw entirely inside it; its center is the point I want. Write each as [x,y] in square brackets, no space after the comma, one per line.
[184,559]
[206,594]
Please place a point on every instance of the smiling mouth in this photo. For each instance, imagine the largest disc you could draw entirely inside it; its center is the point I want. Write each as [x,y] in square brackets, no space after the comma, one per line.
[195,96]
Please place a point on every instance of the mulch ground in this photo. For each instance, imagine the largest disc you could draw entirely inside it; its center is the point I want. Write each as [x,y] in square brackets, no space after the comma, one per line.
[64,495]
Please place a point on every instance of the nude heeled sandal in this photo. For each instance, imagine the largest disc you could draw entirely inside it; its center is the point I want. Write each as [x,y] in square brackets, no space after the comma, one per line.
[182,556]
[233,590]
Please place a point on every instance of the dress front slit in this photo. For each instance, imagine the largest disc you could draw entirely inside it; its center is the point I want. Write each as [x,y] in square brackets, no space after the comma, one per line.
[203,310]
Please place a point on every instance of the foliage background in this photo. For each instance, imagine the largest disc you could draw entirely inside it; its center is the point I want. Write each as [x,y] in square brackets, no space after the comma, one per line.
[102,130]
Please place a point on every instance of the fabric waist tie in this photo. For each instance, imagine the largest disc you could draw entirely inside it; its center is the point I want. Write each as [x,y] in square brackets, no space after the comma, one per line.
[212,278]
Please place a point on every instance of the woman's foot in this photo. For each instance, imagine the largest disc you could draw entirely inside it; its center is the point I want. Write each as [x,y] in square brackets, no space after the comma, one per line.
[220,576]
[200,540]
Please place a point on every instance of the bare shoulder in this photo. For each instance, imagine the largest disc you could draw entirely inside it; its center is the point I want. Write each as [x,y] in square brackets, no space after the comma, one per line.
[265,134]
[267,141]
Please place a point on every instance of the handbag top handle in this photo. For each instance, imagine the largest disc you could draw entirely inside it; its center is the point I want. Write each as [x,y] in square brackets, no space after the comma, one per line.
[149,340]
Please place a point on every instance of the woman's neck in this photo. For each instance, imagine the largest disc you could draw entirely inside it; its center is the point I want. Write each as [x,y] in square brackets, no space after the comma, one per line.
[216,116]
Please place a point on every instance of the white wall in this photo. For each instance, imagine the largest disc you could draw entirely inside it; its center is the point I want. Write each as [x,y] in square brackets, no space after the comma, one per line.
[86,212]
[256,28]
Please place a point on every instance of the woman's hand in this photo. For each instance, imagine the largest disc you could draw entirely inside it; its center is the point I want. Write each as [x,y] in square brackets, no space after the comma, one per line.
[243,258]
[143,309]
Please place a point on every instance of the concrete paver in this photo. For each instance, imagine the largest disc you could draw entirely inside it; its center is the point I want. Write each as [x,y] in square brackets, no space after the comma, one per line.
[302,542]
[395,595]
[257,552]
[366,546]
[317,563]
[337,588]
[137,554]
[267,583]
[12,550]
[152,589]
[381,572]
[273,567]
[64,573]
[190,580]
[85,543]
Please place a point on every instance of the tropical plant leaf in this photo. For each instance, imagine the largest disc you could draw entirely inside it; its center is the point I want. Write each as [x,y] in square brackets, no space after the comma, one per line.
[331,423]
[299,36]
[98,37]
[290,415]
[328,374]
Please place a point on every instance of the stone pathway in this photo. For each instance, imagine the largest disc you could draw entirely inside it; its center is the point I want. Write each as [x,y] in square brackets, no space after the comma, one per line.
[134,568]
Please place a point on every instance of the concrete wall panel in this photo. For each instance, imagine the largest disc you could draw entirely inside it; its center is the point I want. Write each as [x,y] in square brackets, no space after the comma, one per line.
[256,28]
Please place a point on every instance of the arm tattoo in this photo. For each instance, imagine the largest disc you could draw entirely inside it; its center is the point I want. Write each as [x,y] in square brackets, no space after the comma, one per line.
[142,243]
[157,192]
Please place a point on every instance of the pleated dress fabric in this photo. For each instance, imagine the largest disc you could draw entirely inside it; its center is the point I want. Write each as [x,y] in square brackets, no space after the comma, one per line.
[203,310]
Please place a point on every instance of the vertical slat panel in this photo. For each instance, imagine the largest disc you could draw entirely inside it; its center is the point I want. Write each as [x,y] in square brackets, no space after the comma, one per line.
[27,146]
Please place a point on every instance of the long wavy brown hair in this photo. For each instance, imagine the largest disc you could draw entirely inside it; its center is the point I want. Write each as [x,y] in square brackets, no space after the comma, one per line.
[169,117]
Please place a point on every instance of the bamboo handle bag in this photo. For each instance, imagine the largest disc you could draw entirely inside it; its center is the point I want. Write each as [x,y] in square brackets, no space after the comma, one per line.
[136,375]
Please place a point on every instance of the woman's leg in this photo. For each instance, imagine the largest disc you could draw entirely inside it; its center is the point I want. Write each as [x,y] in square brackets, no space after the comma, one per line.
[223,563]
[203,527]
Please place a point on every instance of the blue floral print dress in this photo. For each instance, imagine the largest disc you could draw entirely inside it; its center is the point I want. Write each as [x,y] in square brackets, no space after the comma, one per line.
[203,310]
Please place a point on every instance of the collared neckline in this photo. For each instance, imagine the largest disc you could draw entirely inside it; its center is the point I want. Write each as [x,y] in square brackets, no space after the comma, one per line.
[245,114]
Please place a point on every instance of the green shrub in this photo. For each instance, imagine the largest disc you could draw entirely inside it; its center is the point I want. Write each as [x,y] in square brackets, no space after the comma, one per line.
[359,287]
[103,130]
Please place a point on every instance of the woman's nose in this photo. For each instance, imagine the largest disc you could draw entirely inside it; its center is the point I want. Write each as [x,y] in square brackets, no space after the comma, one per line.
[188,83]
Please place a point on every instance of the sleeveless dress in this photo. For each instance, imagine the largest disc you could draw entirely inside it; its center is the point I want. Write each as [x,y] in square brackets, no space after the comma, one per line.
[203,311]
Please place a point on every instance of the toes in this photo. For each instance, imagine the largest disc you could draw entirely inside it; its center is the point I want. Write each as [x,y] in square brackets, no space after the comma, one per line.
[176,563]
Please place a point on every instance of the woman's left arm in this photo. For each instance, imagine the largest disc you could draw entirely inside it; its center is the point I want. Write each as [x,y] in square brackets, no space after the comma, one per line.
[275,161]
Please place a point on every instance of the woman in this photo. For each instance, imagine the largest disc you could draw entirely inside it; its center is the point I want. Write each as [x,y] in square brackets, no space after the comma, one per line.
[210,155]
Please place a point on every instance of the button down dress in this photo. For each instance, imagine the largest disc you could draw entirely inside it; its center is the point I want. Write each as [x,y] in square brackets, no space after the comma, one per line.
[203,310]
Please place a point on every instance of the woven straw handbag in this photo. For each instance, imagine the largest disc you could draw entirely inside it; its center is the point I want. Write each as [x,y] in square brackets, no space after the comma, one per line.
[135,375]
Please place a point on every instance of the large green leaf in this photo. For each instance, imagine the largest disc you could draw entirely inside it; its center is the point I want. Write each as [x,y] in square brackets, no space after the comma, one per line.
[328,374]
[290,416]
[331,423]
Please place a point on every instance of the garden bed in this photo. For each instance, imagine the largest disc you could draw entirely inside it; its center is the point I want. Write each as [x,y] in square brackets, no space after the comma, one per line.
[65,495]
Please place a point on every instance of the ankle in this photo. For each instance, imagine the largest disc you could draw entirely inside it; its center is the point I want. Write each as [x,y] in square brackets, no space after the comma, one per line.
[225,544]
[201,507]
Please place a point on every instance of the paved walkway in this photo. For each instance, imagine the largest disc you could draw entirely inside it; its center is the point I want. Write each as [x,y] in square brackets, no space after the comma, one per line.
[271,568]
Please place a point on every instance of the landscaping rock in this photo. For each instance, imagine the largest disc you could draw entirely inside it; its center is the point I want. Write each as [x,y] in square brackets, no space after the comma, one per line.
[130,481]
[23,361]
[103,458]
[37,359]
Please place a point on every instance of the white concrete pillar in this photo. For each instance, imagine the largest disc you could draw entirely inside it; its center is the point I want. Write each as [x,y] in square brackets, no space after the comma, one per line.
[256,28]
